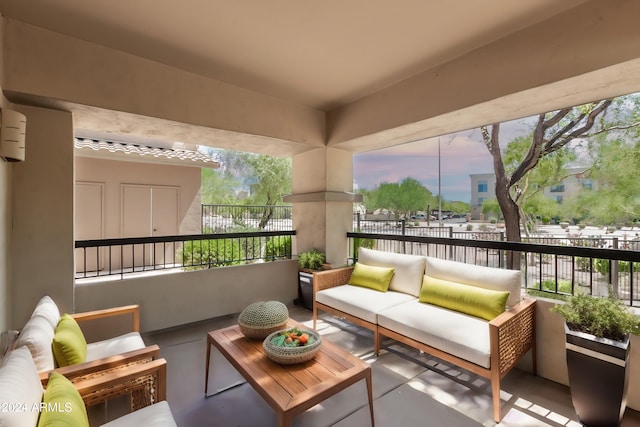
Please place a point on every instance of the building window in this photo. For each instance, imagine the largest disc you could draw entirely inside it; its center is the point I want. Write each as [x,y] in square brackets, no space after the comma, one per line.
[557,188]
[481,201]
[558,199]
[587,184]
[483,186]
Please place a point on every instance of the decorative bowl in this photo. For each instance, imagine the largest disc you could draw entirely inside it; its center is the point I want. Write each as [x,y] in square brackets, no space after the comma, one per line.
[262,318]
[289,353]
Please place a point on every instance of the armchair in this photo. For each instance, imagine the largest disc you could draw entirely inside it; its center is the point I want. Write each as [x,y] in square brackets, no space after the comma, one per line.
[54,347]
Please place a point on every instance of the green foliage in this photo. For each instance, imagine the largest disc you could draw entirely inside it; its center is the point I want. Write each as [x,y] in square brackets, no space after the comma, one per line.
[603,266]
[311,259]
[277,247]
[549,285]
[403,198]
[217,189]
[491,209]
[604,317]
[210,253]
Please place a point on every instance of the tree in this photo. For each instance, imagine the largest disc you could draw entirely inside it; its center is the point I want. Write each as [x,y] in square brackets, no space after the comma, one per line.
[552,132]
[403,198]
[217,188]
[268,177]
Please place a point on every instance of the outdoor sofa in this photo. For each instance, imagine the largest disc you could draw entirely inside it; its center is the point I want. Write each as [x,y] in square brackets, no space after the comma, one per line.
[468,315]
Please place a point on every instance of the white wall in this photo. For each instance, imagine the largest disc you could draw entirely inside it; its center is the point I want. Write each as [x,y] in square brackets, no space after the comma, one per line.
[168,300]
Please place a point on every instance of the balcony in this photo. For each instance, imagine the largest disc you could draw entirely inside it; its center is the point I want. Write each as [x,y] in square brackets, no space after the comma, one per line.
[408,387]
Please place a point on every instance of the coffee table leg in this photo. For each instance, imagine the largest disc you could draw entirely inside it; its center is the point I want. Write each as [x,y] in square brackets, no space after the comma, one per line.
[370,395]
[206,381]
[284,419]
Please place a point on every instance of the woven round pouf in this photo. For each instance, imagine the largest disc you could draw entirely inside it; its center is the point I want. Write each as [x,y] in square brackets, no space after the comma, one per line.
[262,318]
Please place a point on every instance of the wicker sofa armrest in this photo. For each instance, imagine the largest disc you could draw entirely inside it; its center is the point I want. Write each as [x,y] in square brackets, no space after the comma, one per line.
[131,310]
[331,278]
[101,367]
[512,334]
[146,383]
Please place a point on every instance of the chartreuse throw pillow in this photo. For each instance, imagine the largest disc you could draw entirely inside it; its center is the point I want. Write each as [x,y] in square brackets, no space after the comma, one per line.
[62,405]
[69,346]
[475,301]
[371,276]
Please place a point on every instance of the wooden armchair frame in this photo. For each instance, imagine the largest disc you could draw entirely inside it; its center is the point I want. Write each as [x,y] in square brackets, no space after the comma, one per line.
[109,370]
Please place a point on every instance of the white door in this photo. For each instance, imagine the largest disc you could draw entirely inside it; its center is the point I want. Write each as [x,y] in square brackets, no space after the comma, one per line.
[148,211]
[89,224]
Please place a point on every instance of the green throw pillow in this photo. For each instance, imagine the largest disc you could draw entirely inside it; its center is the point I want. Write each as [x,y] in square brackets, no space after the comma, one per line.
[370,276]
[472,300]
[69,346]
[62,405]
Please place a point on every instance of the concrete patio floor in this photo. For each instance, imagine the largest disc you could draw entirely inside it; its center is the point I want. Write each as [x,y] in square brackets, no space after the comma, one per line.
[409,388]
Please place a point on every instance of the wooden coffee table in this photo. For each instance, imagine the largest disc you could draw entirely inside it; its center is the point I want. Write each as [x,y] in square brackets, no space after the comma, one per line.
[289,389]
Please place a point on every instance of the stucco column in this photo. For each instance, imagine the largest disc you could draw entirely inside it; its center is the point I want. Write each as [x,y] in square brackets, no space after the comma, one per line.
[322,187]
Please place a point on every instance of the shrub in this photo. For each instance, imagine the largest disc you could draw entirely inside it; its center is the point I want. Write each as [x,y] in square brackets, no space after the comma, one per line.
[604,317]
[311,259]
[277,247]
[197,254]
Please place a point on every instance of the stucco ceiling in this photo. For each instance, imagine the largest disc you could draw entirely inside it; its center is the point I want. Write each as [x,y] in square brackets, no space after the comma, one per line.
[320,54]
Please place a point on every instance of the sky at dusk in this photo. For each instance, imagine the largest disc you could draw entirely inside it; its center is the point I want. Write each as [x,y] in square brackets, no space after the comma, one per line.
[461,154]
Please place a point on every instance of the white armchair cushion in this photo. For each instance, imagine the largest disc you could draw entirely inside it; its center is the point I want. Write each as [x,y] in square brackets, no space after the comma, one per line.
[37,335]
[116,345]
[48,309]
[20,390]
[496,279]
[156,415]
[409,269]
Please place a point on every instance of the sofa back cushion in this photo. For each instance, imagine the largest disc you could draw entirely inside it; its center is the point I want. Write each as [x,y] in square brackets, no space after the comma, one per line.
[408,269]
[20,390]
[62,404]
[497,279]
[48,309]
[472,300]
[37,336]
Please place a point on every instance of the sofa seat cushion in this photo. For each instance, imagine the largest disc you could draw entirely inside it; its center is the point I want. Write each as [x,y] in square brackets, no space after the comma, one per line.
[464,336]
[156,415]
[361,302]
[408,269]
[116,345]
[496,279]
[37,336]
[20,389]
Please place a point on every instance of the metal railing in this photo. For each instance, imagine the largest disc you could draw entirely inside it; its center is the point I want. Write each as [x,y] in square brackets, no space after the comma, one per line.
[548,269]
[227,218]
[129,256]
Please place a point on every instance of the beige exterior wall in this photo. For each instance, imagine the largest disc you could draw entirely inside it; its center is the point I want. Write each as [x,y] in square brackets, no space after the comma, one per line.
[42,214]
[167,300]
[5,224]
[113,174]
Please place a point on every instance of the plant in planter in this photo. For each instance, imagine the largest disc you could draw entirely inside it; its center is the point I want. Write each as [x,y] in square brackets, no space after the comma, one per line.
[308,261]
[597,333]
[311,260]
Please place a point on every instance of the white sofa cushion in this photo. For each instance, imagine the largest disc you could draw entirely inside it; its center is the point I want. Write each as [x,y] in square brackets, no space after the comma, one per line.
[360,302]
[156,415]
[409,269]
[20,390]
[37,335]
[485,277]
[116,345]
[48,309]
[464,336]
